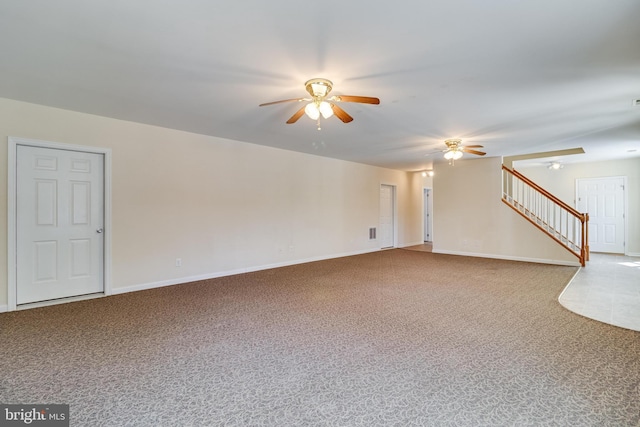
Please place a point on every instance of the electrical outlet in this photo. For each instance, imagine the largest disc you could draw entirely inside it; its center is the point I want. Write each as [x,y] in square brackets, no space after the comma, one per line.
[178,262]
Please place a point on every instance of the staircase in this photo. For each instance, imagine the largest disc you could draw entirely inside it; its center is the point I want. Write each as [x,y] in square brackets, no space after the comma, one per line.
[561,222]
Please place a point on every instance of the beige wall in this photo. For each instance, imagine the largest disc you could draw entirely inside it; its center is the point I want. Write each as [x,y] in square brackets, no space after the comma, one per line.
[470,218]
[562,183]
[222,206]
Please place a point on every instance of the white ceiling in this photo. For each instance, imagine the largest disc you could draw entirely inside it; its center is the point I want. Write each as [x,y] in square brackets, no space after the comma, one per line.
[514,76]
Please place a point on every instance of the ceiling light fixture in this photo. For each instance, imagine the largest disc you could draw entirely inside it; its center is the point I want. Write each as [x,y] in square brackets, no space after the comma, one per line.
[453,154]
[325,109]
[318,89]
[555,166]
[312,111]
[316,108]
[454,150]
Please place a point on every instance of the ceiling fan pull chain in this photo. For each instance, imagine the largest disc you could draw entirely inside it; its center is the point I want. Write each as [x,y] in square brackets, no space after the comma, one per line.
[318,123]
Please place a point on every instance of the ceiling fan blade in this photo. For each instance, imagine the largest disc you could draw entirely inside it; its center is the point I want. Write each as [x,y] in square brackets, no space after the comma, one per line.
[341,114]
[473,146]
[284,100]
[477,153]
[360,99]
[296,116]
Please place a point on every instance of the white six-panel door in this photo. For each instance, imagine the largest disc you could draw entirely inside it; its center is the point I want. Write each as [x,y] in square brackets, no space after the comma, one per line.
[59,223]
[603,199]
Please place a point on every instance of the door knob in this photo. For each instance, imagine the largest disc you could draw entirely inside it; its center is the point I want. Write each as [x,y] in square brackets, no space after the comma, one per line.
[99,230]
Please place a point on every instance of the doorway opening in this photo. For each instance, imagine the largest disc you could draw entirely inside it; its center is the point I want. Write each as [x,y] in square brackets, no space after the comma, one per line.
[428,215]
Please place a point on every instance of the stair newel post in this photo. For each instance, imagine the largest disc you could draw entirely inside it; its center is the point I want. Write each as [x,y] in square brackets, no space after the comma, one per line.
[585,242]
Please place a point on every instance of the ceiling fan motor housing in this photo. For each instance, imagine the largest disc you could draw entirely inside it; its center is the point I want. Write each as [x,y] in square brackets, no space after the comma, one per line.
[318,88]
[453,144]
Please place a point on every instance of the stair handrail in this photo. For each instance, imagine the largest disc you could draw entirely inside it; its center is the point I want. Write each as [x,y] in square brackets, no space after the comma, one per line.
[565,206]
[583,256]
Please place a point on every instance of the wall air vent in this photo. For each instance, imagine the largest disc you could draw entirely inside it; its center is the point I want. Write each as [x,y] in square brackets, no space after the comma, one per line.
[372,233]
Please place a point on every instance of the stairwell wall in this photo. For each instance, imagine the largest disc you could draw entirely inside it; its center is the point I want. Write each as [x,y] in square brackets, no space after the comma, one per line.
[471,219]
[562,183]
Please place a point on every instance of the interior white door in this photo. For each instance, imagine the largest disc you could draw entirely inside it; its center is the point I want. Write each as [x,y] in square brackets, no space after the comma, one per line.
[386,216]
[59,223]
[603,199]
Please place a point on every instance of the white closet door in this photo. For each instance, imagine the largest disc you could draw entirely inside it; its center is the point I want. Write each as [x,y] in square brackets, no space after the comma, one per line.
[59,223]
[386,216]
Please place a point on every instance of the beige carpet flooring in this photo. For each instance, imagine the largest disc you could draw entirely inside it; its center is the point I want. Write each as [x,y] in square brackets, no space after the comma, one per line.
[392,338]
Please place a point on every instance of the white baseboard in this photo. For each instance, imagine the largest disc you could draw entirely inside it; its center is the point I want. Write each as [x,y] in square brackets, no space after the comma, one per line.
[214,275]
[634,254]
[509,258]
[4,308]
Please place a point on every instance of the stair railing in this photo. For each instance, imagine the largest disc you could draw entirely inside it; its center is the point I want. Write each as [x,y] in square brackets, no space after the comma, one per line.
[557,219]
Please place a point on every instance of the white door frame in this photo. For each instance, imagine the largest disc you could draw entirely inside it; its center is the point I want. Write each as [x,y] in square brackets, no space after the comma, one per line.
[12,237]
[624,200]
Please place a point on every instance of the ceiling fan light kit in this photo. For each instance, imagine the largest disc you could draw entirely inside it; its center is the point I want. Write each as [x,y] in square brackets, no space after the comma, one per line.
[455,155]
[320,105]
[314,110]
